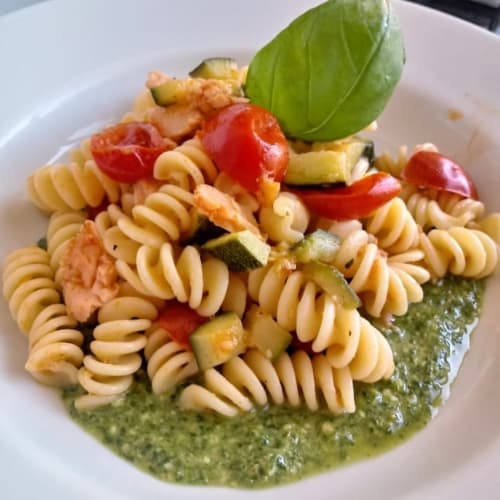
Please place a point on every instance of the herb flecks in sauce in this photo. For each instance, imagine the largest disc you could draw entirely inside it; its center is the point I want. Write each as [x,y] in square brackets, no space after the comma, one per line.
[278,444]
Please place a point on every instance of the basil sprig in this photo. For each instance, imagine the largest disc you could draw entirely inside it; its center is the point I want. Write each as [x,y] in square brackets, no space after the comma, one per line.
[331,72]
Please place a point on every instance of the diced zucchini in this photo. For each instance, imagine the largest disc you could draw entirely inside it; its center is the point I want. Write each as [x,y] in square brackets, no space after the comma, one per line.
[332,281]
[202,230]
[317,246]
[220,68]
[169,92]
[355,148]
[241,251]
[316,168]
[265,334]
[218,340]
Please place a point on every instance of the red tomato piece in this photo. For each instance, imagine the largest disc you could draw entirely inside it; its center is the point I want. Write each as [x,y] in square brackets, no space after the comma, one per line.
[246,142]
[429,169]
[127,152]
[358,200]
[180,321]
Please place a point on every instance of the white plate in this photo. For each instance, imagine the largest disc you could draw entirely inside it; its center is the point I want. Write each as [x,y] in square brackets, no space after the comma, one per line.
[69,67]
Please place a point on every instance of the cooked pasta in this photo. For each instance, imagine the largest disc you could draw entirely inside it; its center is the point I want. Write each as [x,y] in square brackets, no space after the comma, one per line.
[28,285]
[72,186]
[394,227]
[300,306]
[460,251]
[203,284]
[163,217]
[442,210]
[187,166]
[491,226]
[168,363]
[286,220]
[253,378]
[383,287]
[372,360]
[55,353]
[62,227]
[35,304]
[118,339]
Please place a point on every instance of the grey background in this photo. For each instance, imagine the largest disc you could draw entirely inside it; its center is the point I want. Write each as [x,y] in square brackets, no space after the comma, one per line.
[479,14]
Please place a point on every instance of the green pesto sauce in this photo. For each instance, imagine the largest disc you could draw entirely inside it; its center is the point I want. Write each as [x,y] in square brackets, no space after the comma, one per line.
[277,445]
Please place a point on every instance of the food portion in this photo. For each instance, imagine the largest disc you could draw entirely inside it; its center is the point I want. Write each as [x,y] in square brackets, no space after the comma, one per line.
[228,260]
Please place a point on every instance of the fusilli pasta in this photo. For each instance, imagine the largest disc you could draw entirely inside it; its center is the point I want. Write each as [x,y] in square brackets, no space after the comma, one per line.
[393,226]
[62,227]
[168,363]
[442,210]
[187,166]
[291,379]
[72,186]
[186,277]
[460,251]
[286,220]
[35,304]
[383,287]
[118,339]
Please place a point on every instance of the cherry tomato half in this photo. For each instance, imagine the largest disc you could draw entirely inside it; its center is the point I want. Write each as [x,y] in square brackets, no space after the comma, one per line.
[127,152]
[358,200]
[179,320]
[429,169]
[246,142]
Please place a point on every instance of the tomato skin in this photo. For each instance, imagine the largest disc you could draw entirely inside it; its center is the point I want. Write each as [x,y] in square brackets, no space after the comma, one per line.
[355,201]
[429,169]
[246,142]
[179,320]
[127,152]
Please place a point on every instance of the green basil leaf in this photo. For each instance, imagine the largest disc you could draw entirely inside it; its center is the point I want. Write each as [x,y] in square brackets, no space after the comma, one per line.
[331,72]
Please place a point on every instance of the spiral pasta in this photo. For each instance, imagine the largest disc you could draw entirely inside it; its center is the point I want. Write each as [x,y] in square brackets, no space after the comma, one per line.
[394,227]
[441,210]
[28,285]
[163,217]
[62,227]
[253,378]
[72,186]
[372,359]
[460,251]
[490,225]
[185,277]
[35,304]
[55,353]
[299,305]
[118,338]
[286,220]
[168,363]
[186,166]
[384,288]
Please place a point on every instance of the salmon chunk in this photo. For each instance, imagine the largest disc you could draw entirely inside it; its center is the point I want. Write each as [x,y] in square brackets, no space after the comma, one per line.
[223,210]
[198,98]
[88,275]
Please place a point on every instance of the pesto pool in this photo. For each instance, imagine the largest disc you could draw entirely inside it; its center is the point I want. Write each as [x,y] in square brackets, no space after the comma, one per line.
[277,445]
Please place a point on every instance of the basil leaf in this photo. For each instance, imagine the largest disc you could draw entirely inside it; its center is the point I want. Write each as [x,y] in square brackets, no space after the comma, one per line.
[331,72]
